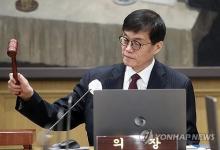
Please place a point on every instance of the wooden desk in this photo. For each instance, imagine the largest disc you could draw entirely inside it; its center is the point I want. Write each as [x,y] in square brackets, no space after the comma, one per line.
[24,137]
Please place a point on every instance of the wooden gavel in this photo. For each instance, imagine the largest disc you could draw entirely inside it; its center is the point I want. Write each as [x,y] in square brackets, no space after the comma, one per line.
[12,52]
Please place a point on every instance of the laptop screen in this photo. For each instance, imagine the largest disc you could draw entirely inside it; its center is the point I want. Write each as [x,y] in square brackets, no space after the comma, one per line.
[130,112]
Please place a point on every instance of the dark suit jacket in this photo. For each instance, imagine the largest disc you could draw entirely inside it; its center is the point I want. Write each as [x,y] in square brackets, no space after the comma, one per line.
[111,77]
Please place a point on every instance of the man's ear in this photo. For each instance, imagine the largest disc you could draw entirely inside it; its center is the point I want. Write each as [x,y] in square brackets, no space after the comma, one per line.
[157,47]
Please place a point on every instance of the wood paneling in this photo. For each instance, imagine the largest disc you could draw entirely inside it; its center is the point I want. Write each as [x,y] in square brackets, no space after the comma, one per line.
[54,89]
[50,91]
[204,87]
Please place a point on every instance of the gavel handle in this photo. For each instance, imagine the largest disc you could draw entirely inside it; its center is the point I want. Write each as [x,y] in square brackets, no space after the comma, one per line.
[14,69]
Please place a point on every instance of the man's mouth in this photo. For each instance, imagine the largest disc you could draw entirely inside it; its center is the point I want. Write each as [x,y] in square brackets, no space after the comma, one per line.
[127,57]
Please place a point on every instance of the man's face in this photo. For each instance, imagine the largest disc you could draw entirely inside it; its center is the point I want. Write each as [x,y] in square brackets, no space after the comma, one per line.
[136,58]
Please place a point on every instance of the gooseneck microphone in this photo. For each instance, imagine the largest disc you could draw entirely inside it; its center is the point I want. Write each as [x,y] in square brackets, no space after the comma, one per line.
[49,130]
[94,85]
[12,52]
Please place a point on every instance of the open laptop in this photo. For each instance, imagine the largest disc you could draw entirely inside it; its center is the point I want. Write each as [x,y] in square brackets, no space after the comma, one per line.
[130,112]
[212,120]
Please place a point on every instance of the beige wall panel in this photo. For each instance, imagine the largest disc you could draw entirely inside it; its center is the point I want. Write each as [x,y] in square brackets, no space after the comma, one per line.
[54,89]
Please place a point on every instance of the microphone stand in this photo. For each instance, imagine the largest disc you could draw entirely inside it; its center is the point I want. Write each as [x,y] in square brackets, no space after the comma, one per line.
[68,120]
[47,135]
[60,113]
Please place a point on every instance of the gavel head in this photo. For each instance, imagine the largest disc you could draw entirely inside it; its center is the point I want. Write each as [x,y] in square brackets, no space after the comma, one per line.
[12,48]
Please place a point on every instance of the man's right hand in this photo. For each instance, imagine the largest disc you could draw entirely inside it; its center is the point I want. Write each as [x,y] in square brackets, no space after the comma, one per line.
[24,90]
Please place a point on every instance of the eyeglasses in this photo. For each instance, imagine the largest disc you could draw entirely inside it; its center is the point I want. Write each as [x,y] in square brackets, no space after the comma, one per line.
[134,44]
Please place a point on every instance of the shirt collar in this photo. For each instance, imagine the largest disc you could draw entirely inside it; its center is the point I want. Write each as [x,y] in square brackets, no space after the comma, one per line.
[144,74]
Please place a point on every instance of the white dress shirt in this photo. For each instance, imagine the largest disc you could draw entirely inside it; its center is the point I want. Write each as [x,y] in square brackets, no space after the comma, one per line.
[144,74]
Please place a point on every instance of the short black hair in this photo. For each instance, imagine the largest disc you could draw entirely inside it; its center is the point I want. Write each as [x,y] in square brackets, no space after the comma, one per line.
[147,21]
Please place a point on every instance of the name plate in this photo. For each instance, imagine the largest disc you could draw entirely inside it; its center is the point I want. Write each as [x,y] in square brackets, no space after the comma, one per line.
[133,142]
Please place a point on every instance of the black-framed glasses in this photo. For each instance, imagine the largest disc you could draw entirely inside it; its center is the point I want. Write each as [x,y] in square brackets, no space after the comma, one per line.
[134,44]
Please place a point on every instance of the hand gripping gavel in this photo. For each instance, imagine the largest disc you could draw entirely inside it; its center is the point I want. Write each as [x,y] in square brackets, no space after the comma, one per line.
[12,51]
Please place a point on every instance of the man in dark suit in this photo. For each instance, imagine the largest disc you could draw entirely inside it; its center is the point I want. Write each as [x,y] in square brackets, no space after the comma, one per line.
[143,32]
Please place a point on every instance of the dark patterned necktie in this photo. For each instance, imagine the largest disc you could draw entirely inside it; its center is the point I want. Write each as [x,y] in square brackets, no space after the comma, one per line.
[133,84]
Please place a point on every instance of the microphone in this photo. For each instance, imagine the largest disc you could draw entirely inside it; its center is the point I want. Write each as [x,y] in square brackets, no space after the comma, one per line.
[12,51]
[68,121]
[94,85]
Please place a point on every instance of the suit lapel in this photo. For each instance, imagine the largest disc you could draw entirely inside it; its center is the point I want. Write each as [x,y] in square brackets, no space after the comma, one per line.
[158,77]
[117,79]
